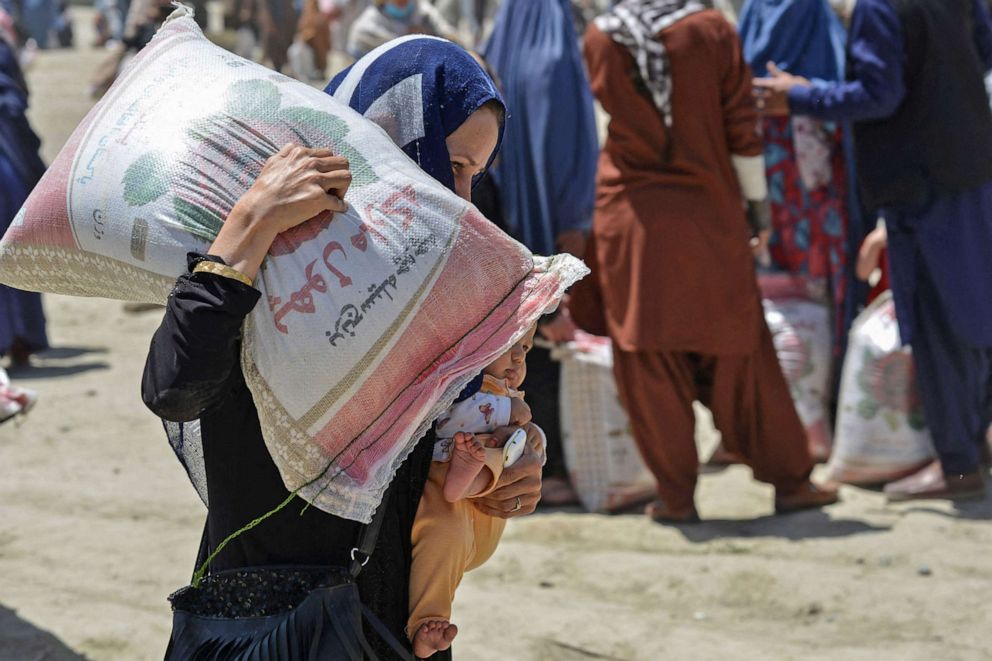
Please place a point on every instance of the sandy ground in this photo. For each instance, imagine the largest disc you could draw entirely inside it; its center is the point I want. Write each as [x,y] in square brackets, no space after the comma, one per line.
[98,525]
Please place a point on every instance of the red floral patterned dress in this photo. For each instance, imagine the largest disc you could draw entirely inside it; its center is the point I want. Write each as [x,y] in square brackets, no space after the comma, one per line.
[809,227]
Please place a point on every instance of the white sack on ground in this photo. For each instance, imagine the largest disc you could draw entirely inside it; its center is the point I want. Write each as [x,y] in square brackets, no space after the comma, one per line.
[881,431]
[604,464]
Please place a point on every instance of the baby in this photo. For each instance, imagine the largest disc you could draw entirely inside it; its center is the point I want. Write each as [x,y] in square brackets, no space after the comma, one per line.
[450,535]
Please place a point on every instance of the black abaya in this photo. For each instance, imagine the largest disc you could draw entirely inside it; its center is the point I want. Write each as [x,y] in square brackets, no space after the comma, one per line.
[193,371]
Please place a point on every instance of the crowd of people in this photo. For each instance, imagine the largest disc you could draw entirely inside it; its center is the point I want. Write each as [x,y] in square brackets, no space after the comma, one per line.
[301,35]
[803,137]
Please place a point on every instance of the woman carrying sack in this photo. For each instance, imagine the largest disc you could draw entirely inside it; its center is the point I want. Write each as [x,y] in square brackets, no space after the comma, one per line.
[193,369]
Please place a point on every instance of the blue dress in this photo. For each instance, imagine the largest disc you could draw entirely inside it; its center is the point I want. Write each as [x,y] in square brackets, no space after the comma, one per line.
[21,315]
[39,18]
[816,230]
[546,176]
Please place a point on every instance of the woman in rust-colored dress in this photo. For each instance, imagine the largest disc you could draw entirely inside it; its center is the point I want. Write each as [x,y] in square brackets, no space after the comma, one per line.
[671,250]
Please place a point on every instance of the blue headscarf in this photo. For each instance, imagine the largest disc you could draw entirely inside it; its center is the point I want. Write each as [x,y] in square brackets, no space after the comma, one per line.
[547,177]
[419,90]
[804,37]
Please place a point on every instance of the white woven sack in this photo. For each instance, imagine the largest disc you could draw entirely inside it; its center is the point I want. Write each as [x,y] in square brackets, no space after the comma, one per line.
[603,461]
[881,432]
[801,333]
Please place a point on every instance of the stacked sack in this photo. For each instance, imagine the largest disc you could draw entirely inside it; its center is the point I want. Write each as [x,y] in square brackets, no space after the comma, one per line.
[369,324]
[799,321]
[881,431]
[604,464]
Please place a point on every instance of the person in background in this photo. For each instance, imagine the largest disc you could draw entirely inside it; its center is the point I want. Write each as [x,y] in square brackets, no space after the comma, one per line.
[315,30]
[241,16]
[385,20]
[804,158]
[108,22]
[38,19]
[144,17]
[546,176]
[142,20]
[805,162]
[9,32]
[346,13]
[62,28]
[674,254]
[923,140]
[22,320]
[277,20]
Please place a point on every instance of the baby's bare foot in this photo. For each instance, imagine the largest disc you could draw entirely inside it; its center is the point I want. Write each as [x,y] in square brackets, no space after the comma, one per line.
[468,448]
[433,636]
[468,457]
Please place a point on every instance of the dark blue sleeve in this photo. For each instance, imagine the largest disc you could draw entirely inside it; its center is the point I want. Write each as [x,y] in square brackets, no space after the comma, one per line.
[876,84]
[983,34]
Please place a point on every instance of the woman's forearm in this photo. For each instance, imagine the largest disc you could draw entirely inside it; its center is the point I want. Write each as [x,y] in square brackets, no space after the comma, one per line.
[243,240]
[195,350]
[295,184]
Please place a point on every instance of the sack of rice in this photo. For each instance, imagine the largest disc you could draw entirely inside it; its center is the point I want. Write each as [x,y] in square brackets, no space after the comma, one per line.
[604,464]
[369,324]
[799,321]
[881,431]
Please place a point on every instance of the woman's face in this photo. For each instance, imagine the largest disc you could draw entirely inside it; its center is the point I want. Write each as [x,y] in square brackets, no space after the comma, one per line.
[470,148]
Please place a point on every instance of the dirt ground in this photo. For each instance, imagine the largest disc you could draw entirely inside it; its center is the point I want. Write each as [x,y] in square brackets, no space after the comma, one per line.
[98,525]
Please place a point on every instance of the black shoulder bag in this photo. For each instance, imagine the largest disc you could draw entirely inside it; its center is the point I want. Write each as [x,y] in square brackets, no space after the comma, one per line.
[279,613]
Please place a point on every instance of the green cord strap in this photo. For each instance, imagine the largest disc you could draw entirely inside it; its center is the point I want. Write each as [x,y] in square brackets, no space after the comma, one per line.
[202,569]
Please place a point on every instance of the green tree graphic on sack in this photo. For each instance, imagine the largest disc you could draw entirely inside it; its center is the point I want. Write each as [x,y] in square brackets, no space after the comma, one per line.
[226,152]
[888,386]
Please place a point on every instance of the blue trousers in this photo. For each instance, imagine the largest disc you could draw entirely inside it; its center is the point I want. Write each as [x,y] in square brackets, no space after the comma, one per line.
[941,279]
[955,382]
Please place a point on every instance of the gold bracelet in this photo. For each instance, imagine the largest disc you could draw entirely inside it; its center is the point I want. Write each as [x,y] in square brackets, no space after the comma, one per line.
[222,270]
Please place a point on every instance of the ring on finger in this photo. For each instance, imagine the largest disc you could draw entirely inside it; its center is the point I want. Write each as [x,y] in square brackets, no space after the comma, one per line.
[517,506]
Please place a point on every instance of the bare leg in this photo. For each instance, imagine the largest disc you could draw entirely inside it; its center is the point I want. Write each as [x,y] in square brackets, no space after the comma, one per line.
[468,457]
[433,636]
